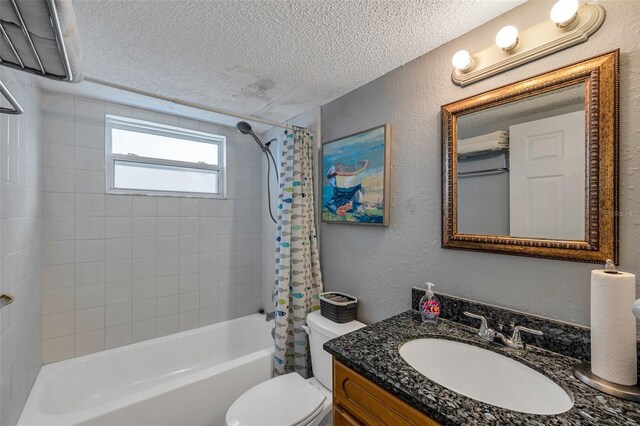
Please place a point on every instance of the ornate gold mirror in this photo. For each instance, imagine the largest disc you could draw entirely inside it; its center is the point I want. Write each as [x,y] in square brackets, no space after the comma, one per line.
[531,168]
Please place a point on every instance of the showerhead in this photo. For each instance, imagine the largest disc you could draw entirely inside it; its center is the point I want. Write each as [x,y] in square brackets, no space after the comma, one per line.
[245,128]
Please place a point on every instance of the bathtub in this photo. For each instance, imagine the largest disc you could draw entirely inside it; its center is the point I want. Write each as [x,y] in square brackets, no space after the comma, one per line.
[189,378]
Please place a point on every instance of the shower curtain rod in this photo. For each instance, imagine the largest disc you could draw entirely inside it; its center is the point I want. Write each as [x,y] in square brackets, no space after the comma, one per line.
[191,104]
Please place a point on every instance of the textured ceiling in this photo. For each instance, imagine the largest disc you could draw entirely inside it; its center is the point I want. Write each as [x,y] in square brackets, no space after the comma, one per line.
[270,58]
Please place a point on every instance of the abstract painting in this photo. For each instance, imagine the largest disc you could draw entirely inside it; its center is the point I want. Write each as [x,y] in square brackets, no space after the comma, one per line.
[355,178]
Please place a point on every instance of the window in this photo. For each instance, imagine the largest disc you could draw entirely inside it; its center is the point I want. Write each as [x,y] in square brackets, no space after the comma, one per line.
[152,158]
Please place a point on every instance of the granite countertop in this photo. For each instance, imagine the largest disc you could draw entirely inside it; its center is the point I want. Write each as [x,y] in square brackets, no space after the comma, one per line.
[373,352]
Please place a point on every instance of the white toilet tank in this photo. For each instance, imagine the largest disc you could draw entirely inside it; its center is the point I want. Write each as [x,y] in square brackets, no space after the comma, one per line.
[322,330]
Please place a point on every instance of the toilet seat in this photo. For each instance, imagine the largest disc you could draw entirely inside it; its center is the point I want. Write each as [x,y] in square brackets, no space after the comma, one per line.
[284,400]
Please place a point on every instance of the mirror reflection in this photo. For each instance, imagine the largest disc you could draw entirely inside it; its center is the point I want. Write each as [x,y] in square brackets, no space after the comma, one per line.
[522,168]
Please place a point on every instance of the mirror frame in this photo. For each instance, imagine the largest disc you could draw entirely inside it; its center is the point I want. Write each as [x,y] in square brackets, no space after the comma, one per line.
[600,76]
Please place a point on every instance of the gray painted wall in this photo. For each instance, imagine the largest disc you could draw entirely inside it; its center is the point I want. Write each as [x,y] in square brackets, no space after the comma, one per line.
[380,265]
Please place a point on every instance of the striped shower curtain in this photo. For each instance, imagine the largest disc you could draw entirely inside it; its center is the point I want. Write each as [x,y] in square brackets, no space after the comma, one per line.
[298,278]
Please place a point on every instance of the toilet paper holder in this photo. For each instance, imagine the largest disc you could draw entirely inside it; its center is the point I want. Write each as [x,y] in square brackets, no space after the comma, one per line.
[582,371]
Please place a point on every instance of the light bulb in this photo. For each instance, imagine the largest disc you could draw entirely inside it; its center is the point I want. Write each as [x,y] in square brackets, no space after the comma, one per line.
[507,38]
[564,12]
[462,60]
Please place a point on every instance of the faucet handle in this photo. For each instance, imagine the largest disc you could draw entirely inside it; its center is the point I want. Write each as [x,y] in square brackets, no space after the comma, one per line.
[516,338]
[485,332]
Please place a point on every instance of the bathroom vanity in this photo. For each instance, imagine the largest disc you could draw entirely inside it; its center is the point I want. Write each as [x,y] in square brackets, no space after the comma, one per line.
[373,384]
[355,397]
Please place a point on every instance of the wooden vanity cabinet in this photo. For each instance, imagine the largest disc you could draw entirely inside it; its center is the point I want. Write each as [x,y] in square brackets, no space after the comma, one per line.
[358,401]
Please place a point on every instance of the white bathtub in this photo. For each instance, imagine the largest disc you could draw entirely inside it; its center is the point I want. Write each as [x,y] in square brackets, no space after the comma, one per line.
[190,378]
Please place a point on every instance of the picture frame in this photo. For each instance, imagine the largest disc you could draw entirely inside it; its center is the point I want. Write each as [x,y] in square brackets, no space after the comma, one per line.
[355,178]
[600,77]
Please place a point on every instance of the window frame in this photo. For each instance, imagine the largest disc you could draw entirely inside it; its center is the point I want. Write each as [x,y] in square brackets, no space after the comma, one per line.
[158,129]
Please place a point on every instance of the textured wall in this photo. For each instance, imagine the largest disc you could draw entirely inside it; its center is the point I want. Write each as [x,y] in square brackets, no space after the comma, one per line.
[120,269]
[21,247]
[380,265]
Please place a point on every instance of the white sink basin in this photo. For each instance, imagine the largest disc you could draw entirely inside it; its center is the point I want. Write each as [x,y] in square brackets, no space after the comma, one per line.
[486,376]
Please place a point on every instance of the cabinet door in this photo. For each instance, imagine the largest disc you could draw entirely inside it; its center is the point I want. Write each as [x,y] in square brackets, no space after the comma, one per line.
[342,418]
[360,400]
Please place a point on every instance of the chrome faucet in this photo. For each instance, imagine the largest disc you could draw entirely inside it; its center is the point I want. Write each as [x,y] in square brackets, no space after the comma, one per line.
[515,342]
[485,333]
[488,334]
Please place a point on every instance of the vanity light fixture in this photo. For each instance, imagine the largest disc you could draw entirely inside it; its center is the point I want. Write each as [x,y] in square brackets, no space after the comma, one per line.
[462,60]
[507,38]
[564,12]
[569,23]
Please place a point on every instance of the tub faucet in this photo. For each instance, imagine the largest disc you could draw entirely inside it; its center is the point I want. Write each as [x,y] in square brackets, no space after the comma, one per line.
[268,315]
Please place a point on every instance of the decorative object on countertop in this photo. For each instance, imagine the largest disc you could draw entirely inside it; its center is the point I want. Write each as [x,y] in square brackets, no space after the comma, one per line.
[338,307]
[298,276]
[355,178]
[636,308]
[614,366]
[430,306]
[560,337]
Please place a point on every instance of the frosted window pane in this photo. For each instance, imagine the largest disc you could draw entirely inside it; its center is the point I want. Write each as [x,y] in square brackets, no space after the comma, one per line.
[164,147]
[129,175]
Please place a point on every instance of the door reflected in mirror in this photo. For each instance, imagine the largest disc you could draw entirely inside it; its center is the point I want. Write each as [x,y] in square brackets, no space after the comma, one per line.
[522,168]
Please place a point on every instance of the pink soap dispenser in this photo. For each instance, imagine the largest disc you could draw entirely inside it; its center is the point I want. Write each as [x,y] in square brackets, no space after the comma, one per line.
[430,306]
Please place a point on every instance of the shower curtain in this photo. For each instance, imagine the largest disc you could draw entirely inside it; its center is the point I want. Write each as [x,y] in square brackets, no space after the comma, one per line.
[298,278]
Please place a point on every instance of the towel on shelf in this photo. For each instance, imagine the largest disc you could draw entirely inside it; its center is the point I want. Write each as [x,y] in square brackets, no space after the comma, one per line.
[47,50]
[490,141]
[35,14]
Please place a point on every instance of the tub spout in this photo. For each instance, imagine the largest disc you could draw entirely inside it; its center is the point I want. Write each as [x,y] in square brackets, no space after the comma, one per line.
[268,315]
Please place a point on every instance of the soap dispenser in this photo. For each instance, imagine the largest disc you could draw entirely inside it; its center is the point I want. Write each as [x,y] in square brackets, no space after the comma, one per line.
[430,306]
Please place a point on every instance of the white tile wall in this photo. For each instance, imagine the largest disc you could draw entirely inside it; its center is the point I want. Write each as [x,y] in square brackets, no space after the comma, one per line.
[121,269]
[21,246]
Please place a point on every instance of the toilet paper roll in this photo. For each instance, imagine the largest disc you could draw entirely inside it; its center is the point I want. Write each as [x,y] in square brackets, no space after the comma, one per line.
[613,327]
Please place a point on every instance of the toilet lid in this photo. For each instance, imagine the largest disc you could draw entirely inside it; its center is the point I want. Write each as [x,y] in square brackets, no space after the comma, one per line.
[284,400]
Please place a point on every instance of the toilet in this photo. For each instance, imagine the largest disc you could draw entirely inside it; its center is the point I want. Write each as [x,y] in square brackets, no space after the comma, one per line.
[291,399]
